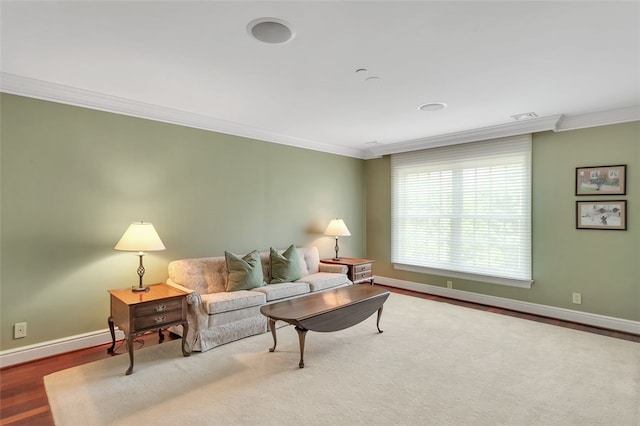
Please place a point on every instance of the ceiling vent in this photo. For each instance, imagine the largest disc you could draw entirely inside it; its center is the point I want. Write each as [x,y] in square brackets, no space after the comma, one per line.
[525,116]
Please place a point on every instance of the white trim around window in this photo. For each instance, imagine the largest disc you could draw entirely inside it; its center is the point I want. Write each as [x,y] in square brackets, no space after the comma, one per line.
[464,211]
[465,276]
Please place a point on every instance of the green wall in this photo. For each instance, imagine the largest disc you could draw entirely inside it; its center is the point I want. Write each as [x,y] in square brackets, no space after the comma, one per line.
[602,265]
[72,179]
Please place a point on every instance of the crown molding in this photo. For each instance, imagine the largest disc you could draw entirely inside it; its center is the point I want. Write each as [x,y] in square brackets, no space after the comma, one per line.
[475,135]
[600,118]
[39,89]
[557,123]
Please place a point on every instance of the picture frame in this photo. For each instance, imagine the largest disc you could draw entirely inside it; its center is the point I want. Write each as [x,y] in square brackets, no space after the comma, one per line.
[601,180]
[601,214]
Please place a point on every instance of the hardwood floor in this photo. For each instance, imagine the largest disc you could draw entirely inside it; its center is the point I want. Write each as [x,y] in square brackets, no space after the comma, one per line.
[23,400]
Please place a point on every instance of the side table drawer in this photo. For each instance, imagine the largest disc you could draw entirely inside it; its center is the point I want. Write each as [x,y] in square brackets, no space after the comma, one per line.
[158,320]
[362,268]
[159,307]
[366,275]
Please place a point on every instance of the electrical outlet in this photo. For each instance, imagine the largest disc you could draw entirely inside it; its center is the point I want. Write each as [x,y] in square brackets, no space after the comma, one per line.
[19,330]
[449,284]
[577,298]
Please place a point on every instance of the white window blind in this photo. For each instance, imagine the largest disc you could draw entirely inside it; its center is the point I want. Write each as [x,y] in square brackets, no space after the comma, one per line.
[464,209]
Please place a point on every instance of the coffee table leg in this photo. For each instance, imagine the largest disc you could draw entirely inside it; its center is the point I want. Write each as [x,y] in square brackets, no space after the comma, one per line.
[272,327]
[378,322]
[301,335]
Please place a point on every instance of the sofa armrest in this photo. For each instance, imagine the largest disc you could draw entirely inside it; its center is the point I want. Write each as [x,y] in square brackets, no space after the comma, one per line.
[193,297]
[330,267]
[197,313]
[178,286]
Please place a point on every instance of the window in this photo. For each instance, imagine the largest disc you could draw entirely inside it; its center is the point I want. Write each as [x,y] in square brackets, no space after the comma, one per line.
[464,211]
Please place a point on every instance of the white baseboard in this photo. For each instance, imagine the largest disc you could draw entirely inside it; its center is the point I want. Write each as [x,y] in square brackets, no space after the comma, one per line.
[56,347]
[100,337]
[602,321]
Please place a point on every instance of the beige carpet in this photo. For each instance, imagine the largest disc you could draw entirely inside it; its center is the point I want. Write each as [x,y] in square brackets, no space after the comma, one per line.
[435,364]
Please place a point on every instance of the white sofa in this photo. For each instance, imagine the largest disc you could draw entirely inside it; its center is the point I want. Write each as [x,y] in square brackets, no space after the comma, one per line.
[217,316]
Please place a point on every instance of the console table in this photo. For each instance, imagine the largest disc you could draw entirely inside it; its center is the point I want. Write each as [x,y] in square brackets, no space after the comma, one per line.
[139,312]
[360,270]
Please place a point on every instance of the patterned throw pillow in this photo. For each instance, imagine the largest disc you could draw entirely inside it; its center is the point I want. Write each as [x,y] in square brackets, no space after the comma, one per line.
[284,267]
[244,273]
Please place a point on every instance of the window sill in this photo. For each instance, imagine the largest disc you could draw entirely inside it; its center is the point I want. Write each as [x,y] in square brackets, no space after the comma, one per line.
[465,276]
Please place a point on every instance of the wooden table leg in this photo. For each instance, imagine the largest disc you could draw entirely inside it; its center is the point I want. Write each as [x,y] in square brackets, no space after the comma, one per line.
[130,347]
[272,327]
[113,336]
[378,321]
[301,336]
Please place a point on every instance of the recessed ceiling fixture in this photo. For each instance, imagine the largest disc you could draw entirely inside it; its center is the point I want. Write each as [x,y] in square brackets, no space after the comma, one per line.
[432,106]
[364,72]
[525,116]
[271,30]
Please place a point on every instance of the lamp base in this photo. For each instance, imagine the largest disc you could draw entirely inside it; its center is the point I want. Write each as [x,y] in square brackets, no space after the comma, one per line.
[138,289]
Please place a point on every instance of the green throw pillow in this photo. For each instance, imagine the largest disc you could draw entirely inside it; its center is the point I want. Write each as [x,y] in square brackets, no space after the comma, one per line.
[244,273]
[284,267]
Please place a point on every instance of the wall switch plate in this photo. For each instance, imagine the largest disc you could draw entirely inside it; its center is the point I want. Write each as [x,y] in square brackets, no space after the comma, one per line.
[449,284]
[19,330]
[577,298]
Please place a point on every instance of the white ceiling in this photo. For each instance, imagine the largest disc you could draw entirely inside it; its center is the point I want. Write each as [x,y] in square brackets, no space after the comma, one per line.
[195,63]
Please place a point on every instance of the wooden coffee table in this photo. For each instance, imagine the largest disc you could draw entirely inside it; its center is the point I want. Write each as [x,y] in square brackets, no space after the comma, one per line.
[329,310]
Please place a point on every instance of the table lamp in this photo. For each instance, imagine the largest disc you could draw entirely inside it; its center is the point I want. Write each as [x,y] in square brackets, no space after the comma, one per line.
[337,228]
[140,237]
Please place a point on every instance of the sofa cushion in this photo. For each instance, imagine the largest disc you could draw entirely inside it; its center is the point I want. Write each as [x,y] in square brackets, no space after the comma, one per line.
[311,260]
[283,290]
[244,273]
[284,267]
[216,303]
[323,280]
[231,317]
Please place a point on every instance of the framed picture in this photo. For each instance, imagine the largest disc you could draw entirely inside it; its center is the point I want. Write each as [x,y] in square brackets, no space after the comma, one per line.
[601,215]
[601,180]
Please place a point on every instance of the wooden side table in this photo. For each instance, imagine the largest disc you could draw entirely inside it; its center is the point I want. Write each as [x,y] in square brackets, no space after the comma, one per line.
[360,270]
[139,312]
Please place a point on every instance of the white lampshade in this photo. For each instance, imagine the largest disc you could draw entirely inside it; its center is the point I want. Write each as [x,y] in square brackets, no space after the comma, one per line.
[337,228]
[140,236]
